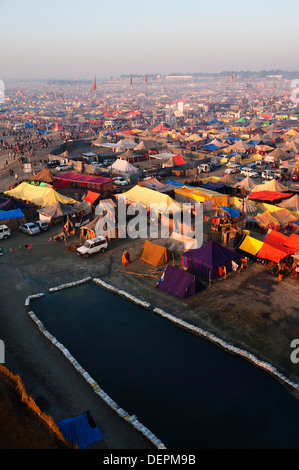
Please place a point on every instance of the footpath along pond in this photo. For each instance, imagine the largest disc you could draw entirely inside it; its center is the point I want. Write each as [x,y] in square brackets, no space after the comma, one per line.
[187,391]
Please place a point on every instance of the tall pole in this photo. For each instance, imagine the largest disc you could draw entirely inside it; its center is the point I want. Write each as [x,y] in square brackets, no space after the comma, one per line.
[242,210]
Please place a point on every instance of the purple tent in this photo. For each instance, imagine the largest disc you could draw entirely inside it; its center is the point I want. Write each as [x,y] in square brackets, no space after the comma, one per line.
[210,259]
[176,282]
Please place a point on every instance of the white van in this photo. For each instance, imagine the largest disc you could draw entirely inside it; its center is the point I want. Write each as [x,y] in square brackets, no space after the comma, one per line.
[93,245]
[4,232]
[249,172]
[19,127]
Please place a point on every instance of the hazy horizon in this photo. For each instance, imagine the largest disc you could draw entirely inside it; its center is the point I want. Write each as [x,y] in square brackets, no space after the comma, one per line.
[75,40]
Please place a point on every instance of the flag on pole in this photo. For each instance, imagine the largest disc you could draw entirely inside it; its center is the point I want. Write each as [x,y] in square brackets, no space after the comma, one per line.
[232,77]
[131,81]
[94,86]
[145,79]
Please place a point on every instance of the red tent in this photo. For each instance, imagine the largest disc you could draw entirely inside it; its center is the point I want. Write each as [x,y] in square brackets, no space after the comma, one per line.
[268,195]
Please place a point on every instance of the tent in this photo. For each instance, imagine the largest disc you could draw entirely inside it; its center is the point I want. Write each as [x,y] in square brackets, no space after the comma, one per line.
[210,259]
[249,207]
[45,176]
[122,166]
[147,197]
[153,254]
[177,282]
[291,204]
[247,183]
[272,185]
[14,214]
[39,196]
[56,211]
[250,245]
[80,430]
[269,196]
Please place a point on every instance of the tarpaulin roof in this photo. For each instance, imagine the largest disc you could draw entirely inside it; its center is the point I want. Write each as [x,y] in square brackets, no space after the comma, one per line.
[57,210]
[146,196]
[268,195]
[231,212]
[251,245]
[177,282]
[14,214]
[91,197]
[212,254]
[80,430]
[272,253]
[39,196]
[12,204]
[89,179]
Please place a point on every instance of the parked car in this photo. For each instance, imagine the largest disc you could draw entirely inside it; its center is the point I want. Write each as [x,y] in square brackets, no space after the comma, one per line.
[4,232]
[53,163]
[249,172]
[98,164]
[267,175]
[42,224]
[62,167]
[119,180]
[30,228]
[108,162]
[93,245]
[216,165]
[231,171]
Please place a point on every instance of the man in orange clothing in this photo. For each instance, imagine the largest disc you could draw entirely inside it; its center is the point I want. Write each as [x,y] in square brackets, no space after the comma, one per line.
[126,258]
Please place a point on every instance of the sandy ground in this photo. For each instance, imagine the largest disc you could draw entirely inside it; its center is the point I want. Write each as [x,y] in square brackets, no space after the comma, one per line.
[252,310]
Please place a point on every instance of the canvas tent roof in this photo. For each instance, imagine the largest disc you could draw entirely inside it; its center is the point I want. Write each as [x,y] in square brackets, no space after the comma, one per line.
[153,254]
[209,259]
[247,183]
[146,196]
[291,204]
[39,196]
[177,282]
[122,166]
[44,175]
[57,210]
[211,254]
[272,185]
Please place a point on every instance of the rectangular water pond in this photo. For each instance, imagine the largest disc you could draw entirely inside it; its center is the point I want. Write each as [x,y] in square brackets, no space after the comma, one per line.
[187,391]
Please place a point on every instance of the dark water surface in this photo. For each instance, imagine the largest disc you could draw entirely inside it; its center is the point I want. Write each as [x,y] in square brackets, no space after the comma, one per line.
[187,391]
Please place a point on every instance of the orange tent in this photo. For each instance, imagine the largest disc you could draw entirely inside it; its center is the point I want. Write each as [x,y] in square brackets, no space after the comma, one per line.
[153,254]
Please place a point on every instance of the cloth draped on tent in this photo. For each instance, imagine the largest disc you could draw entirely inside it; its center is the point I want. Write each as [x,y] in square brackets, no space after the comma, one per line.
[14,214]
[39,196]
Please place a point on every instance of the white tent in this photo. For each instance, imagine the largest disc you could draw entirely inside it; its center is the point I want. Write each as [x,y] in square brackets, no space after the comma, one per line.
[122,166]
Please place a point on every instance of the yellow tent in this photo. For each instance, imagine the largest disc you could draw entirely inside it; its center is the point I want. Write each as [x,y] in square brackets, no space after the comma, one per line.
[141,195]
[40,196]
[251,245]
[200,194]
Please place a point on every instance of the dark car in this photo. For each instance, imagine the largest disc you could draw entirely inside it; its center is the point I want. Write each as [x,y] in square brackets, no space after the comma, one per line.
[53,164]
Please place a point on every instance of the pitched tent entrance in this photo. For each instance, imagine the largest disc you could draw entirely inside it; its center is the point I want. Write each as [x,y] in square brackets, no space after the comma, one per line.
[153,254]
[177,282]
[210,259]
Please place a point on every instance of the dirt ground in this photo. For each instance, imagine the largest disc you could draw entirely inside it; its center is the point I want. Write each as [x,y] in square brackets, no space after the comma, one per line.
[252,310]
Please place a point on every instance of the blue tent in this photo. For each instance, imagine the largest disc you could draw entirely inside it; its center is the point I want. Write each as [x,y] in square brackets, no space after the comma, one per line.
[232,212]
[80,430]
[14,214]
[211,147]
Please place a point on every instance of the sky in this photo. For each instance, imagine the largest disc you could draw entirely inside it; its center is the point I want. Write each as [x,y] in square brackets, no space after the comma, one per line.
[71,39]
